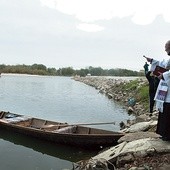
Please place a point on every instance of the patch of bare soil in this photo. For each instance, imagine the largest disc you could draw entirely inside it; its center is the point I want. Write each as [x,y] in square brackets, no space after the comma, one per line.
[155,162]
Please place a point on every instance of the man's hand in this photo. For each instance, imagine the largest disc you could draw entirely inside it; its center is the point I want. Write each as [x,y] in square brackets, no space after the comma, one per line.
[160,75]
[147,58]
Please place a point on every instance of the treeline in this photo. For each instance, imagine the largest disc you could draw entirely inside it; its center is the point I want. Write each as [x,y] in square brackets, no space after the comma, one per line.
[40,69]
[35,69]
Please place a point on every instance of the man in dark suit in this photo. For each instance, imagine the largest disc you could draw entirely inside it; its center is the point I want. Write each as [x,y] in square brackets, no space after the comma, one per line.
[153,84]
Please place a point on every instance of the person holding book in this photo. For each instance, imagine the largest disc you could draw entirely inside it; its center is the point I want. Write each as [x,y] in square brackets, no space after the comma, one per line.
[162,95]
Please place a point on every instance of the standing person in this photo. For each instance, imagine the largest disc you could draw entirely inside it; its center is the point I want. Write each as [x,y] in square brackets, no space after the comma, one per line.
[153,84]
[163,125]
[146,67]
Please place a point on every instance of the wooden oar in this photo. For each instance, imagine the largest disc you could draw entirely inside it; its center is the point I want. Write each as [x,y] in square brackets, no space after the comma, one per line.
[79,124]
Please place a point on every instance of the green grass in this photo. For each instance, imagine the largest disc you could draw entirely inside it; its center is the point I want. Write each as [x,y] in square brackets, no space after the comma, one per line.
[143,96]
[140,93]
[132,85]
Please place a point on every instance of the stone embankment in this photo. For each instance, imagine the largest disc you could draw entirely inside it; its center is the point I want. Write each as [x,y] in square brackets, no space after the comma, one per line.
[140,148]
[113,88]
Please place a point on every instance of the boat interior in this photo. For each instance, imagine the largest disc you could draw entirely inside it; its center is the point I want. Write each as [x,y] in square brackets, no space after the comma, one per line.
[46,125]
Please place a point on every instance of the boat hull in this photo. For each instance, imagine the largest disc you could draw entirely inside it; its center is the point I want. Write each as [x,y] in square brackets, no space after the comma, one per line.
[84,137]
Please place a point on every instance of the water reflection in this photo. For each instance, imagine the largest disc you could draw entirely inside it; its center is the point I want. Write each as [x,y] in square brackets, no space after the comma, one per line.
[53,98]
[64,152]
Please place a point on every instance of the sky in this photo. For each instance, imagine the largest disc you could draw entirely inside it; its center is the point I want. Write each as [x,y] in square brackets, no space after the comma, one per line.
[82,33]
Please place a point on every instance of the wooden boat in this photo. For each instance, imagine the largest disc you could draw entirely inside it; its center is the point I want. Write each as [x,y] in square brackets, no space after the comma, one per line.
[57,132]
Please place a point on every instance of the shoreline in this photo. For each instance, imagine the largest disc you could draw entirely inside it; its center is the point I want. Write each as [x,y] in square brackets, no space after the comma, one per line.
[140,143]
[113,89]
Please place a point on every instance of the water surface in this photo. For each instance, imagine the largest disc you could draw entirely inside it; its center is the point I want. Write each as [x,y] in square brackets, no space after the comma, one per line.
[54,98]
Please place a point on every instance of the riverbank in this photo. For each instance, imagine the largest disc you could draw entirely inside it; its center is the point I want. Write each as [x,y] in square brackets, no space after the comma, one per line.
[124,90]
[140,148]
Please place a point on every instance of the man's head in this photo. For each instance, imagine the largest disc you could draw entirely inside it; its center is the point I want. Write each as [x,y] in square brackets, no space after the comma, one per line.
[167,47]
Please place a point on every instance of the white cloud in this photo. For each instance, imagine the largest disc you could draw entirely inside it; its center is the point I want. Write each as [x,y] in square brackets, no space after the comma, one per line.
[89,27]
[33,33]
[142,11]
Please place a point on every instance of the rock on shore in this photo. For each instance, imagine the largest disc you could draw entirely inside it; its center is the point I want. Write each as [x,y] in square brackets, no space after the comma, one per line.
[140,146]
[113,89]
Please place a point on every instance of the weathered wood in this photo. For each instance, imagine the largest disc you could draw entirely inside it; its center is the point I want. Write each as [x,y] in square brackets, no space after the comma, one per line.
[73,134]
[78,124]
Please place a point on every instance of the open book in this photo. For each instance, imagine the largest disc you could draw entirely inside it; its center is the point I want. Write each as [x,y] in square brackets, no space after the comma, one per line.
[158,70]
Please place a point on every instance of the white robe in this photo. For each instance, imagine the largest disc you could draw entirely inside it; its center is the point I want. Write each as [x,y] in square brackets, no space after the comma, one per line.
[165,81]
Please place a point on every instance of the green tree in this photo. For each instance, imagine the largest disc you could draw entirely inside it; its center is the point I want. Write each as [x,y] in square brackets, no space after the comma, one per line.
[52,71]
[68,71]
[39,67]
[96,71]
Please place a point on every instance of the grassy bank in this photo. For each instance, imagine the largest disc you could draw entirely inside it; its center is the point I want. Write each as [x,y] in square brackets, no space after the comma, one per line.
[122,90]
[139,90]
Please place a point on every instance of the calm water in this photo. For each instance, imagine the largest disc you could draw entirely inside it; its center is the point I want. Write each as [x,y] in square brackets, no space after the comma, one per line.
[53,98]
